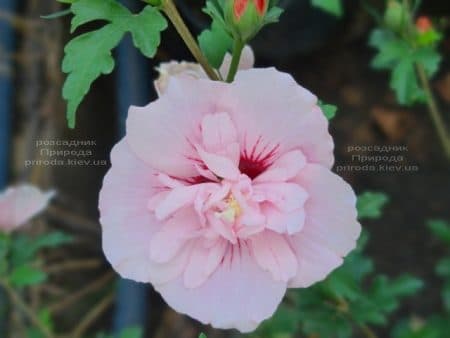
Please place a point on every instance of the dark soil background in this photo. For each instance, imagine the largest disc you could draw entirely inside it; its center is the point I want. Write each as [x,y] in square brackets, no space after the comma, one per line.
[328,56]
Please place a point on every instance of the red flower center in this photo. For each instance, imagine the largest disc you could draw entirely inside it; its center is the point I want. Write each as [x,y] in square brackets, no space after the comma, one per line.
[254,163]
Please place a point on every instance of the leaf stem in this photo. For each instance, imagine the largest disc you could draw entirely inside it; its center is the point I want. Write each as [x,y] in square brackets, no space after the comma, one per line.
[433,109]
[237,53]
[170,9]
[16,300]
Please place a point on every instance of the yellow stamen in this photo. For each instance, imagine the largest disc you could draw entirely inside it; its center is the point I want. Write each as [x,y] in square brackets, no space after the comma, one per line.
[232,211]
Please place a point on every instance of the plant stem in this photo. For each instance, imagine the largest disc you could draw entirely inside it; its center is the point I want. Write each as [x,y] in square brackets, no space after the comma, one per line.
[74,265]
[169,8]
[237,53]
[68,301]
[16,300]
[368,331]
[342,307]
[92,316]
[433,109]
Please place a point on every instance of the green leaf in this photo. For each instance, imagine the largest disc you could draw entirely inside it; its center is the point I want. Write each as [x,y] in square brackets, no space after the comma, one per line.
[51,240]
[441,229]
[429,58]
[273,15]
[415,328]
[333,7]
[329,110]
[202,335]
[215,43]
[386,293]
[90,10]
[87,57]
[132,332]
[283,325]
[90,55]
[215,10]
[5,244]
[398,56]
[390,49]
[26,275]
[24,248]
[405,84]
[146,28]
[405,285]
[443,267]
[370,204]
[46,320]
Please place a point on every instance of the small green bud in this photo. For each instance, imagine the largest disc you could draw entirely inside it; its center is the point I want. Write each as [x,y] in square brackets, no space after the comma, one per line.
[395,16]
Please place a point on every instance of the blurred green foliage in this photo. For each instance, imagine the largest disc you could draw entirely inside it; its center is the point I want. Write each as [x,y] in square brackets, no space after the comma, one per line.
[403,47]
[132,332]
[437,325]
[334,7]
[19,262]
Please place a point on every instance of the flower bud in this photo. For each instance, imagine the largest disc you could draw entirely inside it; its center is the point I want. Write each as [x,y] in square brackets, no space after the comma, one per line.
[245,17]
[424,24]
[427,35]
[395,16]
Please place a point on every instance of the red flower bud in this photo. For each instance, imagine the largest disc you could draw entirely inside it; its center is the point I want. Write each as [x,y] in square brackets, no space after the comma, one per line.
[424,24]
[245,17]
[241,5]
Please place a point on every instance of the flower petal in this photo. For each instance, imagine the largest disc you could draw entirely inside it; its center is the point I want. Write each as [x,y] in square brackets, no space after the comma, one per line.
[278,113]
[218,131]
[286,197]
[284,222]
[219,300]
[128,226]
[203,262]
[162,134]
[20,204]
[284,168]
[273,254]
[315,261]
[247,61]
[330,209]
[176,199]
[173,236]
[221,166]
[169,70]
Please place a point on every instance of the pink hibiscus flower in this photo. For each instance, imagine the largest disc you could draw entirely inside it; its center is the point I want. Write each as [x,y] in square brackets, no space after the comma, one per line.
[20,204]
[221,196]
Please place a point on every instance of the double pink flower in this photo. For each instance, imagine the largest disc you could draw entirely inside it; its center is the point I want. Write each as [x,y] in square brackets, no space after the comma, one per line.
[221,196]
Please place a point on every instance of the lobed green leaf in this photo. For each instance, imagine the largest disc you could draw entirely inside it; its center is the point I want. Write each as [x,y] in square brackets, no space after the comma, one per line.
[215,43]
[89,55]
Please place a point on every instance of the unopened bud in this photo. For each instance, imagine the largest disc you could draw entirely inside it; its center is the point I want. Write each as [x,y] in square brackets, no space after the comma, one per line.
[245,17]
